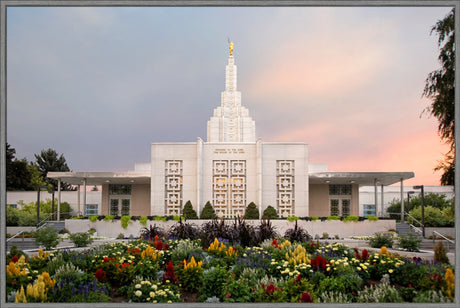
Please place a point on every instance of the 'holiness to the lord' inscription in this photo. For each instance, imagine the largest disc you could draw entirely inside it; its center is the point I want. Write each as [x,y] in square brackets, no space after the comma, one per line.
[229,151]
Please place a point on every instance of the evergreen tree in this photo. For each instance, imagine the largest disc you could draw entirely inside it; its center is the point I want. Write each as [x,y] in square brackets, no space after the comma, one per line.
[18,173]
[269,213]
[188,211]
[208,212]
[252,212]
[50,160]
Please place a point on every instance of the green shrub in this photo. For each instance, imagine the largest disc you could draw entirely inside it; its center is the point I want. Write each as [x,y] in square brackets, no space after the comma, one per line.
[143,220]
[252,212]
[47,236]
[292,218]
[351,218]
[188,211]
[410,242]
[91,231]
[81,239]
[125,220]
[333,218]
[93,218]
[120,236]
[372,218]
[314,218]
[109,217]
[208,212]
[379,240]
[431,296]
[269,213]
[433,217]
[213,280]
[325,235]
[440,253]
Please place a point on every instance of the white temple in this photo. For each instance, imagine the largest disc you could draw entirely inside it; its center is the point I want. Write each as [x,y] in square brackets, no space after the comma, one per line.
[230,170]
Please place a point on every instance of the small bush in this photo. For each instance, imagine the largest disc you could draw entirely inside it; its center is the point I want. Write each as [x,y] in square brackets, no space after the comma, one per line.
[379,240]
[109,218]
[298,234]
[151,232]
[325,236]
[120,236]
[184,230]
[252,212]
[314,218]
[92,231]
[143,220]
[47,237]
[292,218]
[269,213]
[372,218]
[440,253]
[333,218]
[410,242]
[93,218]
[351,218]
[188,211]
[265,231]
[125,220]
[81,239]
[208,212]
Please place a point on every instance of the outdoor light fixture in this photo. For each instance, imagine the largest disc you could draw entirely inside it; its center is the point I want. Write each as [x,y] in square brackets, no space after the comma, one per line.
[327,181]
[423,207]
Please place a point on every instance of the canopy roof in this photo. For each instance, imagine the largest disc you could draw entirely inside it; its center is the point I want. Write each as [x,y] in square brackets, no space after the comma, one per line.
[361,178]
[99,178]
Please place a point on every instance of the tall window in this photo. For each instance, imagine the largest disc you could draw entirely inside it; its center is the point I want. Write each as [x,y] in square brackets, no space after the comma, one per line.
[120,199]
[340,199]
[285,187]
[173,187]
[91,209]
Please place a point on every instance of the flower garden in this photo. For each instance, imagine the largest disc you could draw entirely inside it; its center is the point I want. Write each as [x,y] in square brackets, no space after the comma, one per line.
[225,264]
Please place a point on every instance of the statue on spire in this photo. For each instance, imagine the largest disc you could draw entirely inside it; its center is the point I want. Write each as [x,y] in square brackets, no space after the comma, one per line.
[231,47]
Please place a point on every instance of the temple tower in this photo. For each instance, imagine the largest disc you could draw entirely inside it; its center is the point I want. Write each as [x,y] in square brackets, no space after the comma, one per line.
[231,121]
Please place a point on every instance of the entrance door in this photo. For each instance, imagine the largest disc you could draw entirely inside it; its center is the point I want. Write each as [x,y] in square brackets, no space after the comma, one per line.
[340,207]
[120,206]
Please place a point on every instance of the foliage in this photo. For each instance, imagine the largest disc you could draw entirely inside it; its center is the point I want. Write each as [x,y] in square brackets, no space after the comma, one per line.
[188,211]
[109,217]
[75,291]
[252,212]
[292,218]
[191,275]
[235,292]
[431,296]
[125,220]
[93,218]
[381,239]
[184,230]
[81,239]
[381,293]
[143,220]
[153,292]
[265,231]
[208,212]
[372,218]
[409,242]
[351,218]
[244,233]
[439,201]
[47,236]
[314,218]
[216,229]
[440,88]
[14,252]
[433,217]
[270,213]
[333,218]
[27,215]
[297,234]
[213,280]
[151,232]
[440,253]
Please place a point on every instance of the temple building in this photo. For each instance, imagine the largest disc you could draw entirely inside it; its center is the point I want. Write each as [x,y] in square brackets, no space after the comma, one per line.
[230,169]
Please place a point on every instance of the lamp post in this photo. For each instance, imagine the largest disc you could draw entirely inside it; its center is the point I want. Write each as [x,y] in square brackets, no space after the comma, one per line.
[38,203]
[408,199]
[51,191]
[423,207]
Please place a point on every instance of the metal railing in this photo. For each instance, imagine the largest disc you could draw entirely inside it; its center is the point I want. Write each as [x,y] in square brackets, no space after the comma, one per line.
[418,230]
[414,219]
[449,241]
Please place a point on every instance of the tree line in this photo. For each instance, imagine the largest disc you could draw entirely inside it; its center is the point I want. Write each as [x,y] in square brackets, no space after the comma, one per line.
[24,175]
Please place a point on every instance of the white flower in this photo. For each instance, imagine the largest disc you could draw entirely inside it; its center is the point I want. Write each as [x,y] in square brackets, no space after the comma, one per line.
[138,293]
[137,286]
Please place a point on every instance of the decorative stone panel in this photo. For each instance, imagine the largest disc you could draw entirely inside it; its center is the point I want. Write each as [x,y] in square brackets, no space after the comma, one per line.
[173,187]
[229,187]
[285,187]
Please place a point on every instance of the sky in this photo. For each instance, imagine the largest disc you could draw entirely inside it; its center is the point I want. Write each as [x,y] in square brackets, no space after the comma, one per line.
[99,84]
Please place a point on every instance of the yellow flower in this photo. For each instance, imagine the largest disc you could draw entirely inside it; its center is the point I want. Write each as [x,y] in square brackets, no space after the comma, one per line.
[138,293]
[390,271]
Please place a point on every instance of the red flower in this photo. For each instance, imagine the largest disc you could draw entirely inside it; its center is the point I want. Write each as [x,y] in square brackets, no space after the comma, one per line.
[227,295]
[270,288]
[100,275]
[364,255]
[169,274]
[274,243]
[306,298]
[106,259]
[14,259]
[297,279]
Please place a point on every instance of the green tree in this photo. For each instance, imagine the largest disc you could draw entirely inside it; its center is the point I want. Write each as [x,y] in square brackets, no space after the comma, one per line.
[269,213]
[440,88]
[433,217]
[252,212]
[18,173]
[50,160]
[188,211]
[208,212]
[439,201]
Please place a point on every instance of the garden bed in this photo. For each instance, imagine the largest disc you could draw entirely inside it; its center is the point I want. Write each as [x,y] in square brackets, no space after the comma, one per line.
[156,269]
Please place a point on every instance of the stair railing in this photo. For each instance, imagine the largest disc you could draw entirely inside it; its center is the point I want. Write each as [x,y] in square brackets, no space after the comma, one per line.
[413,218]
[444,237]
[16,235]
[416,229]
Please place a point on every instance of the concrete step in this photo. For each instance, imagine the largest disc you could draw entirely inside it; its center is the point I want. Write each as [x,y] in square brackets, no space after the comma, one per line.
[58,225]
